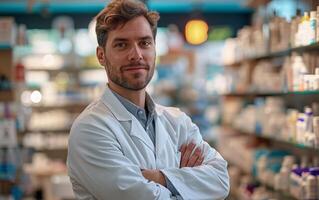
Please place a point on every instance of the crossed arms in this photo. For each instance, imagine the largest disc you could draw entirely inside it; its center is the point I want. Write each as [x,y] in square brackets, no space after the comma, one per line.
[98,169]
[188,159]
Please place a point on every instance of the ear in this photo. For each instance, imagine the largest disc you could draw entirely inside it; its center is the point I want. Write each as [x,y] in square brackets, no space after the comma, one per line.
[100,54]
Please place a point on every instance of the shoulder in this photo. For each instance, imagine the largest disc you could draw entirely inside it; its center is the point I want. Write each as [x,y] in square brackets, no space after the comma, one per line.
[93,121]
[171,112]
[172,115]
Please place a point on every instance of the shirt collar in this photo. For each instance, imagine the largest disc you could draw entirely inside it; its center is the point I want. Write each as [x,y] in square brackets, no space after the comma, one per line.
[134,109]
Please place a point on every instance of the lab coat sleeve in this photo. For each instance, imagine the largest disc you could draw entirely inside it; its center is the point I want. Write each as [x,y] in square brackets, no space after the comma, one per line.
[207,181]
[95,162]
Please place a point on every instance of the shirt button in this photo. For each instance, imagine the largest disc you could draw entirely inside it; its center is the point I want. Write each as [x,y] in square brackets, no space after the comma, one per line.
[140,112]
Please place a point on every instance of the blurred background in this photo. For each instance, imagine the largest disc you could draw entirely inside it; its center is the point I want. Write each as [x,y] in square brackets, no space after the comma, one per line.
[246,71]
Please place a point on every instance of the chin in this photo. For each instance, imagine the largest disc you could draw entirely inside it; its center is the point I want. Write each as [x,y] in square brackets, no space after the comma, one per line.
[138,87]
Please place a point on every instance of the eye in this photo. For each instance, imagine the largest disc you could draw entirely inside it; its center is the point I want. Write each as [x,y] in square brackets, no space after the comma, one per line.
[145,43]
[120,45]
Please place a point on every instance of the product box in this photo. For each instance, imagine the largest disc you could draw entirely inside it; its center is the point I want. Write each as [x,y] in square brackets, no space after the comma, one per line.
[7,31]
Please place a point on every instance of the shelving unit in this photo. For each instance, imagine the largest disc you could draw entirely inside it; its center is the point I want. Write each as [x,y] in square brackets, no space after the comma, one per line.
[248,94]
[78,106]
[270,55]
[266,94]
[70,69]
[65,130]
[295,147]
[71,105]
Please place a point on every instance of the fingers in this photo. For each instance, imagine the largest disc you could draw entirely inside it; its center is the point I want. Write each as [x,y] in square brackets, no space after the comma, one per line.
[183,148]
[190,158]
[199,161]
[194,157]
[186,155]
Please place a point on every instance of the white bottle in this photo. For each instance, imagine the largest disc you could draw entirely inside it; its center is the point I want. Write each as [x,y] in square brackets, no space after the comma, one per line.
[312,27]
[301,127]
[311,187]
[298,70]
[316,78]
[309,119]
[304,29]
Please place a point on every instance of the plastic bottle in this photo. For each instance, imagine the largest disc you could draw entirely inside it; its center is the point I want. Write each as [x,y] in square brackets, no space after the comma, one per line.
[298,70]
[301,126]
[310,187]
[312,27]
[294,30]
[309,119]
[304,29]
[310,138]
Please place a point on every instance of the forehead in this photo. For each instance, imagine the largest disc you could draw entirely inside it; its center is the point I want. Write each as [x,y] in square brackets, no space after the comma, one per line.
[136,28]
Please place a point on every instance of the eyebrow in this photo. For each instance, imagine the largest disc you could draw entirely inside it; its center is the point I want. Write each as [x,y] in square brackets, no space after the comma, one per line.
[124,39]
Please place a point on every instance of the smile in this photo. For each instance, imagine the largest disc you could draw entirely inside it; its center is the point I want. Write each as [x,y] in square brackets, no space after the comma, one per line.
[134,68]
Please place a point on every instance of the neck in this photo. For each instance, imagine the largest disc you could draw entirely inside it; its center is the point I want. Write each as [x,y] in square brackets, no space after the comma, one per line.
[135,96]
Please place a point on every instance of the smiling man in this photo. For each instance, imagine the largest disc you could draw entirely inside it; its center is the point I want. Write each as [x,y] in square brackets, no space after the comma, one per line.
[124,146]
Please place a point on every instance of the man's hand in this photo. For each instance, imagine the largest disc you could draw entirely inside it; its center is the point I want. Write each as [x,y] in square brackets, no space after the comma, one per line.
[154,175]
[188,159]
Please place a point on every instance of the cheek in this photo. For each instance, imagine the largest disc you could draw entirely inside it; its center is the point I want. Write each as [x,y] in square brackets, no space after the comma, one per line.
[112,59]
[149,56]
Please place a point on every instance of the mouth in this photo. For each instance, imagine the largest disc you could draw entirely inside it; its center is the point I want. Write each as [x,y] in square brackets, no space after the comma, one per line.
[135,68]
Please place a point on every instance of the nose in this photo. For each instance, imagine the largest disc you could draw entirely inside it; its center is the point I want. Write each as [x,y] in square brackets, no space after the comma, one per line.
[135,53]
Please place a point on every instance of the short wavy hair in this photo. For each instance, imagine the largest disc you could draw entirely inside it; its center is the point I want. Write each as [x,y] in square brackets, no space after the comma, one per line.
[119,12]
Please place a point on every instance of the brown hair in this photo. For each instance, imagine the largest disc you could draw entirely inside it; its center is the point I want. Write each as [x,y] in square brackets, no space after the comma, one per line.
[119,12]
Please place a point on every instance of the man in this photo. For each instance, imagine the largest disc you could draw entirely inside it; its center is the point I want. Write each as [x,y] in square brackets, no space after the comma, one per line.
[124,146]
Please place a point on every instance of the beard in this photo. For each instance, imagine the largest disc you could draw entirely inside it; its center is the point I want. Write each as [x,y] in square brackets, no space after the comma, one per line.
[135,81]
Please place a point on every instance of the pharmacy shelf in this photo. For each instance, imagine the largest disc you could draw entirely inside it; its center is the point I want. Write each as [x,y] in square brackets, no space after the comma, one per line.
[64,69]
[313,47]
[265,94]
[60,149]
[278,194]
[70,106]
[62,131]
[289,144]
[241,165]
[238,163]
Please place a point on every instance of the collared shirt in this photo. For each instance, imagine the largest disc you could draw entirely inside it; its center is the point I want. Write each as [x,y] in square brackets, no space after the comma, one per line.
[147,121]
[144,116]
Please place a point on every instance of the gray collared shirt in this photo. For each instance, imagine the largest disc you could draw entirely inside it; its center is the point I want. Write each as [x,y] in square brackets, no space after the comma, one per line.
[144,116]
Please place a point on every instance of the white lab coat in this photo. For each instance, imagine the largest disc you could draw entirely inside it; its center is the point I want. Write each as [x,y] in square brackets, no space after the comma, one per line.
[108,147]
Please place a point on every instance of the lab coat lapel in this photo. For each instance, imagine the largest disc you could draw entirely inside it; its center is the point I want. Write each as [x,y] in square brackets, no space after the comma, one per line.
[138,131]
[135,129]
[161,139]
